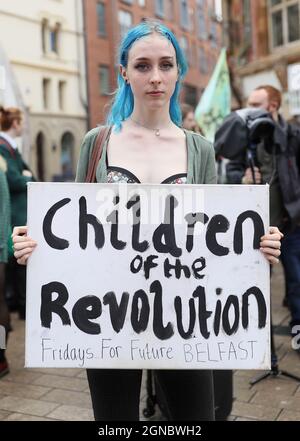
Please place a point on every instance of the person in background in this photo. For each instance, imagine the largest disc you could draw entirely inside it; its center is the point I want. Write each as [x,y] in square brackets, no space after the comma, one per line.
[4,236]
[188,119]
[18,175]
[147,145]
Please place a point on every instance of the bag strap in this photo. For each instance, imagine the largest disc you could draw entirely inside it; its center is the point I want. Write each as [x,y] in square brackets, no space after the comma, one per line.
[8,146]
[103,134]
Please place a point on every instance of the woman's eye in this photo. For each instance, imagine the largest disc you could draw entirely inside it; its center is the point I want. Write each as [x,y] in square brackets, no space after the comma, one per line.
[166,66]
[142,67]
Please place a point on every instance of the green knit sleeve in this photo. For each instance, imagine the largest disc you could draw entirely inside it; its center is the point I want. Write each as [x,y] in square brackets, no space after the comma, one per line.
[85,154]
[201,159]
[210,173]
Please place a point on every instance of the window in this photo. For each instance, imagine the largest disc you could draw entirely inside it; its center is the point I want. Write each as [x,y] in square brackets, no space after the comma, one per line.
[203,65]
[129,2]
[293,22]
[284,21]
[184,14]
[160,8]
[170,10]
[277,29]
[101,19]
[104,86]
[185,47]
[218,10]
[142,3]
[50,37]
[125,22]
[201,23]
[193,54]
[54,36]
[213,34]
[46,92]
[62,94]
[247,26]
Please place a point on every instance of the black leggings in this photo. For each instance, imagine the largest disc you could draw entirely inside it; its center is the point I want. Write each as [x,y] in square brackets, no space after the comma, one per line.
[16,286]
[4,313]
[115,394]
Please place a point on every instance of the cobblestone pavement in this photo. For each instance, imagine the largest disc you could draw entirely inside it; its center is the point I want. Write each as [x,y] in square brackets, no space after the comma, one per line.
[62,394]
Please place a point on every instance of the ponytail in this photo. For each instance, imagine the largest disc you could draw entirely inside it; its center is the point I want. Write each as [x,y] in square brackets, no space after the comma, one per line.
[8,116]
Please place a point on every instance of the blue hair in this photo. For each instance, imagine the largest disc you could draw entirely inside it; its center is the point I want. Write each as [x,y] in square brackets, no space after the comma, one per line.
[123,102]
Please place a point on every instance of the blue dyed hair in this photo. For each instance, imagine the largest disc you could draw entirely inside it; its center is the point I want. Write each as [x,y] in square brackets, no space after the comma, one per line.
[123,102]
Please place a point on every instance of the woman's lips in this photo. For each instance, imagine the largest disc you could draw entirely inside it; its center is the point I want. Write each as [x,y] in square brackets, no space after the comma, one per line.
[155,93]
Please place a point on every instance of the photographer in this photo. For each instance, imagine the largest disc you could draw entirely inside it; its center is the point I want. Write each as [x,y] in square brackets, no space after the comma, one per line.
[264,148]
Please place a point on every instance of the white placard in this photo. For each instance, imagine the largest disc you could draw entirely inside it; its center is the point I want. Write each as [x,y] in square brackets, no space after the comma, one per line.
[147,276]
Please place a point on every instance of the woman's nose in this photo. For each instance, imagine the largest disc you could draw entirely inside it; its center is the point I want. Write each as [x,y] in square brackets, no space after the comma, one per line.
[155,77]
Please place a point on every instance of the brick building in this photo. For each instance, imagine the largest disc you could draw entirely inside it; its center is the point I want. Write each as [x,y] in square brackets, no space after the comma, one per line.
[194,22]
[263,38]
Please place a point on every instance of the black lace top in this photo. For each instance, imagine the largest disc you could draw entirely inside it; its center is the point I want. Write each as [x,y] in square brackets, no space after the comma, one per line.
[116,175]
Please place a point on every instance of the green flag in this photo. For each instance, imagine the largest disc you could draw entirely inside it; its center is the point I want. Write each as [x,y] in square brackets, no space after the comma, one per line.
[214,104]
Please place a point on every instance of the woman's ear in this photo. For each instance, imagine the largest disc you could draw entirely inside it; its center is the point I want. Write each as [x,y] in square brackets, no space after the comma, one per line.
[15,124]
[123,73]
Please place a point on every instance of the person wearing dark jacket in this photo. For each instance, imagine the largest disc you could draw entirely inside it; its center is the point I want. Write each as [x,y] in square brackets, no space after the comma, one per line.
[4,233]
[277,163]
[18,175]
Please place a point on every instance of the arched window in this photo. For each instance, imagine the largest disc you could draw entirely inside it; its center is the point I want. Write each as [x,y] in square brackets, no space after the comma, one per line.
[67,156]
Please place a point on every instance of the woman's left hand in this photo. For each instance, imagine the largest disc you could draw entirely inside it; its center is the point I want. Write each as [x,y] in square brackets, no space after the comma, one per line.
[270,244]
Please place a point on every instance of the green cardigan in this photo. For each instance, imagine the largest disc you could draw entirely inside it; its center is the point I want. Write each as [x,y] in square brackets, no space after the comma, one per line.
[17,184]
[201,159]
[4,216]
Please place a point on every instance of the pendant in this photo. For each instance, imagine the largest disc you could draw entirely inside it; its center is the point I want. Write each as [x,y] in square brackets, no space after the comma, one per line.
[157,132]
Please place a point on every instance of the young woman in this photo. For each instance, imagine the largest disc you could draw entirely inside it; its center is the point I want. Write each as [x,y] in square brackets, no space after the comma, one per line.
[18,174]
[148,145]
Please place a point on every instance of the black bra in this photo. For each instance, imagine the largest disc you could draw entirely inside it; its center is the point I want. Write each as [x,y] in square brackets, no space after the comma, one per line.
[119,174]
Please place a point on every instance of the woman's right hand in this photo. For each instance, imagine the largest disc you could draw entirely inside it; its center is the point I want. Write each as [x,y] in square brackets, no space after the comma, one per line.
[23,245]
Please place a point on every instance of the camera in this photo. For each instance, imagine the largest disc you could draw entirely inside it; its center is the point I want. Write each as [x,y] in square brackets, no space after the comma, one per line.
[242,131]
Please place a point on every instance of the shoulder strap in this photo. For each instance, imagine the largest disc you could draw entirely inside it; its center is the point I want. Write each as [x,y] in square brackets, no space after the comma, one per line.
[8,146]
[103,134]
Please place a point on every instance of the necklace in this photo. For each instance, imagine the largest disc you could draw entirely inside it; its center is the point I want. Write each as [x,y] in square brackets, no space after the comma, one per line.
[157,131]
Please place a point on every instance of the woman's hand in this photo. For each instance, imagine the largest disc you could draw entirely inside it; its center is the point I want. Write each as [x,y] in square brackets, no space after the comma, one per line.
[27,173]
[270,244]
[23,245]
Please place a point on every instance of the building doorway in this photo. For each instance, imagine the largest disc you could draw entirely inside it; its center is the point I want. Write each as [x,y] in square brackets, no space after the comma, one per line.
[40,147]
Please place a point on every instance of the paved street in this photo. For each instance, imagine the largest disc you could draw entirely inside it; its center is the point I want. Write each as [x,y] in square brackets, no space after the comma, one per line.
[62,394]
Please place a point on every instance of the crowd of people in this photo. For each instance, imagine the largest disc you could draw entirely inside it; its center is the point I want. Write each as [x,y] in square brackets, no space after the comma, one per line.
[277,163]
[149,142]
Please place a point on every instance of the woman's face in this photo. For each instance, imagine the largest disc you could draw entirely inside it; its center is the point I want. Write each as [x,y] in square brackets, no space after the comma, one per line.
[189,121]
[18,126]
[152,71]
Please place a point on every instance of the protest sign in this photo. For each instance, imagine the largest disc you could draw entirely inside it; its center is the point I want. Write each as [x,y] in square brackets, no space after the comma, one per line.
[147,276]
